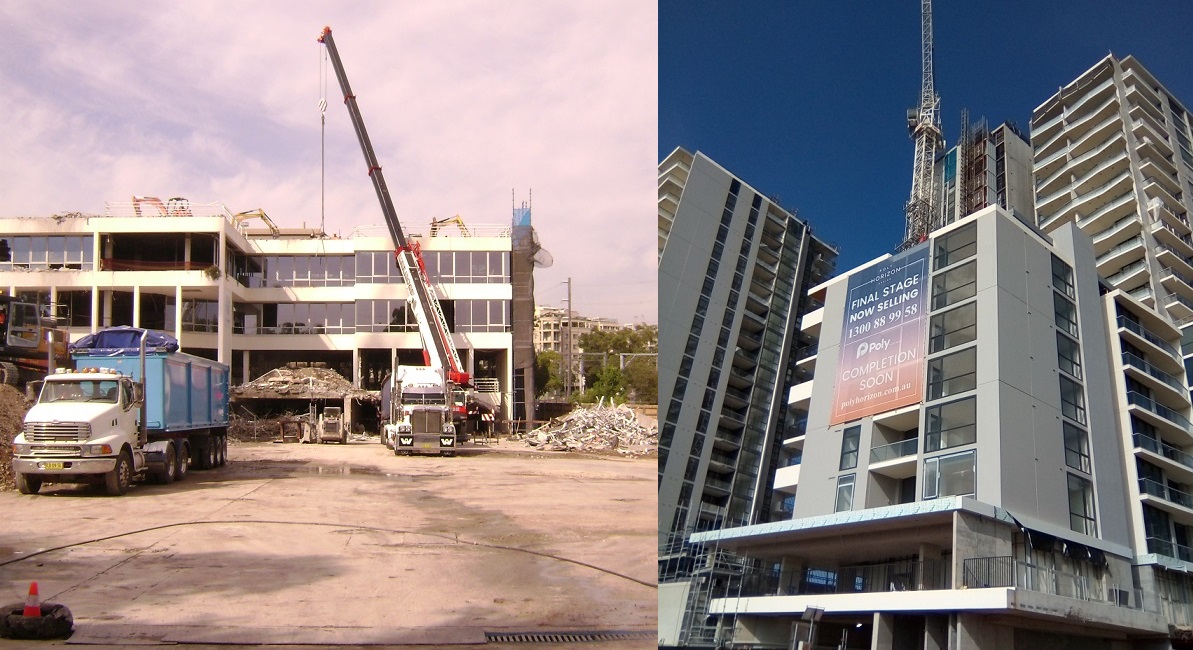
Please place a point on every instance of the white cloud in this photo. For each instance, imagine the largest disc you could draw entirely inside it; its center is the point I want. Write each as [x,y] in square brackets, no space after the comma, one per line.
[465,100]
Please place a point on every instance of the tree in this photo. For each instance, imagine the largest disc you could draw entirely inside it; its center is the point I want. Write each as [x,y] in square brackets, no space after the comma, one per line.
[548,365]
[608,384]
[640,377]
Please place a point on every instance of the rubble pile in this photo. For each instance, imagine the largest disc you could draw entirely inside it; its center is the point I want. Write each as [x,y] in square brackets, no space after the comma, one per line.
[253,429]
[595,429]
[12,418]
[300,383]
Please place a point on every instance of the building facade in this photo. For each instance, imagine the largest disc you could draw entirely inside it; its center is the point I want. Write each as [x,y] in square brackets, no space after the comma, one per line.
[259,299]
[1113,156]
[961,482]
[734,268]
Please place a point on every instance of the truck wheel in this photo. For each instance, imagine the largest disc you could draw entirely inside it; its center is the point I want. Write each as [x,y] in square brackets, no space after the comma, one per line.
[28,483]
[116,482]
[222,447]
[202,454]
[170,469]
[182,461]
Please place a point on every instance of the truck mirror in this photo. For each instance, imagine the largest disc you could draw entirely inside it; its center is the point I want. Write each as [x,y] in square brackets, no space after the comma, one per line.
[138,394]
[32,389]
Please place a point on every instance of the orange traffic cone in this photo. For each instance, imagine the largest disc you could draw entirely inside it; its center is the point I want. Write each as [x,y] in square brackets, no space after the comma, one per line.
[32,601]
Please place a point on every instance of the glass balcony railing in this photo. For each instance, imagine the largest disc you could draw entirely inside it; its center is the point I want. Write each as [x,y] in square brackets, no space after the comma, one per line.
[1163,448]
[1148,336]
[1136,361]
[895,450]
[1166,492]
[1141,400]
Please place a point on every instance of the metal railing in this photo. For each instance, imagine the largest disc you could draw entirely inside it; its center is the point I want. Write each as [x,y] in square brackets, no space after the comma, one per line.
[894,450]
[906,575]
[1006,571]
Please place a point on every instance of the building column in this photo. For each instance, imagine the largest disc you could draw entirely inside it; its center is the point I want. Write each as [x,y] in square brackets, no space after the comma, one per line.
[977,632]
[883,635]
[136,306]
[178,313]
[789,572]
[95,315]
[54,303]
[186,252]
[355,365]
[107,319]
[223,328]
[347,416]
[244,367]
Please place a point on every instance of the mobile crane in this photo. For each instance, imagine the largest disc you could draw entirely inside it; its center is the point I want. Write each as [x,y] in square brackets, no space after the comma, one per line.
[420,424]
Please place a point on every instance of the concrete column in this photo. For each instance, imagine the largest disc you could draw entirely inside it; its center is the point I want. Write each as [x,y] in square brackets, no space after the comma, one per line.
[936,632]
[790,570]
[356,366]
[347,415]
[178,312]
[186,252]
[107,320]
[245,376]
[223,330]
[54,302]
[977,632]
[926,578]
[95,315]
[136,306]
[883,637]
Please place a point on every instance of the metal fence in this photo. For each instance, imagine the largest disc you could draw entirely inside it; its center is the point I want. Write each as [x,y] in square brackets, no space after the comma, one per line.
[1006,571]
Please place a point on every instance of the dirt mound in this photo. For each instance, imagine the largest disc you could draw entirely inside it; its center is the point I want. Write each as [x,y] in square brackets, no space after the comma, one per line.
[12,418]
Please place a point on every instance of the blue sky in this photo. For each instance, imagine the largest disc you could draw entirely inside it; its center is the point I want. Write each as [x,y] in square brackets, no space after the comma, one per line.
[807,101]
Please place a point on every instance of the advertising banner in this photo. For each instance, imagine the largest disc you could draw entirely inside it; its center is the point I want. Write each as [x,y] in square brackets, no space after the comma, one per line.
[881,359]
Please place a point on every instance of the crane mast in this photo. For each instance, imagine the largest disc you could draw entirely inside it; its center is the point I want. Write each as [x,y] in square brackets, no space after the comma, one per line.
[924,125]
[432,325]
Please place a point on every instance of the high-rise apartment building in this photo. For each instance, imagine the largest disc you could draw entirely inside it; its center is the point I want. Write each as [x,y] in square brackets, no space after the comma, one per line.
[1113,155]
[961,482]
[734,268]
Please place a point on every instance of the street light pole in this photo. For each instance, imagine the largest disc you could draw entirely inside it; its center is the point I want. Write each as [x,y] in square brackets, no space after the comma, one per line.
[567,377]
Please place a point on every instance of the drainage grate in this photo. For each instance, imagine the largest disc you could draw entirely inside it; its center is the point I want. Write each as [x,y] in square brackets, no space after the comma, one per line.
[565,637]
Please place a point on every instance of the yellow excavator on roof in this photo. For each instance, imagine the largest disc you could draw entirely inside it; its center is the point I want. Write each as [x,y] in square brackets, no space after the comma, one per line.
[440,224]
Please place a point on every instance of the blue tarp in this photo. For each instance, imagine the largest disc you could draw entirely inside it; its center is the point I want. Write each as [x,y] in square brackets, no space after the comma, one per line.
[123,341]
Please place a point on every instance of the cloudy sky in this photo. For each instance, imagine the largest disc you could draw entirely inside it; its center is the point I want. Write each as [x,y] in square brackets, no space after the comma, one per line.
[465,101]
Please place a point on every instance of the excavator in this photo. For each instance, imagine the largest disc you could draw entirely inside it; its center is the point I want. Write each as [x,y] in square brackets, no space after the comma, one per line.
[420,426]
[30,343]
[439,224]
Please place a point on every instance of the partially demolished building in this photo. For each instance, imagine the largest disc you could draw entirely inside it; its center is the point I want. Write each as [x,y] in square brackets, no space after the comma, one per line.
[263,297]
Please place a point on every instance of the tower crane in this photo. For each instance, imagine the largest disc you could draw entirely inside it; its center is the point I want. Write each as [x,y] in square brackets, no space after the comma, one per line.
[924,125]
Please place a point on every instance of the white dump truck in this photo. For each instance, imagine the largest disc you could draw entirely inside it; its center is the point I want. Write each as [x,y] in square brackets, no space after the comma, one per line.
[99,422]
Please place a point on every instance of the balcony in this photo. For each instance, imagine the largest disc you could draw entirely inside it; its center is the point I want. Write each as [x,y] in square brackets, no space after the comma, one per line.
[1162,416]
[1165,492]
[1149,336]
[1179,461]
[1130,275]
[787,479]
[1169,256]
[908,575]
[896,460]
[1180,308]
[1169,549]
[1159,378]
[1121,255]
[1006,571]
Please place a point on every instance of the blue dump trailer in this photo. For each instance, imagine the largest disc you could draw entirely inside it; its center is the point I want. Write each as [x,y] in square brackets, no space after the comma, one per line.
[87,423]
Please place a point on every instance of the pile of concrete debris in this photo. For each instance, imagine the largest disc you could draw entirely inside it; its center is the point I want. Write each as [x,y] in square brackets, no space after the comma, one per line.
[12,418]
[596,428]
[254,429]
[300,383]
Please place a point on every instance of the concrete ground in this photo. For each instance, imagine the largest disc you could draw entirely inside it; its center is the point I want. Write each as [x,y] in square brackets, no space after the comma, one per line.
[348,545]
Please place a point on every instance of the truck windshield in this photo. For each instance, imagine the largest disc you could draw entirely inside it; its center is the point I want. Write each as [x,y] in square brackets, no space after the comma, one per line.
[79,391]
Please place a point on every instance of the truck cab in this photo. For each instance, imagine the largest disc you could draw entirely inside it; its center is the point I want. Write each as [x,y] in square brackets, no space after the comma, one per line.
[82,427]
[419,407]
